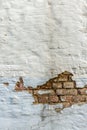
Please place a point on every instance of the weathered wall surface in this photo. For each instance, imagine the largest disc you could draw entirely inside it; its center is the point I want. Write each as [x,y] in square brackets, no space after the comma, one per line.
[41,38]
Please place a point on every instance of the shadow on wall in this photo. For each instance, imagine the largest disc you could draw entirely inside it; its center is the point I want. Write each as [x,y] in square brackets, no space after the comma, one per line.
[61,89]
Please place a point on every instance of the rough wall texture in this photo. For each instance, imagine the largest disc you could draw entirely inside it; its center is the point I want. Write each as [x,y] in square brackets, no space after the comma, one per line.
[39,39]
[43,37]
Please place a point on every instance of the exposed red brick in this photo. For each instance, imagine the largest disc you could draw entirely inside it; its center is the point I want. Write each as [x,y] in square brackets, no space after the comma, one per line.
[66,91]
[82,91]
[57,85]
[53,99]
[69,84]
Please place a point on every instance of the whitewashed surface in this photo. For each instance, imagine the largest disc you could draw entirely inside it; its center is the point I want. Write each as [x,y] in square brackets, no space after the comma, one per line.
[41,38]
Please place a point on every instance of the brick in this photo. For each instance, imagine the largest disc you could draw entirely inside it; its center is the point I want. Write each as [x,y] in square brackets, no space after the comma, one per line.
[48,84]
[82,91]
[57,85]
[46,91]
[66,91]
[53,99]
[80,98]
[43,98]
[69,84]
[60,92]
[66,98]
[73,99]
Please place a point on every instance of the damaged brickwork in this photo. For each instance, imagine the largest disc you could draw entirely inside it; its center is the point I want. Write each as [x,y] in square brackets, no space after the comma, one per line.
[61,89]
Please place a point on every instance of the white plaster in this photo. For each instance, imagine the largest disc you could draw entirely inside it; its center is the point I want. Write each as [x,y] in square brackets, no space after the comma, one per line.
[43,37]
[18,113]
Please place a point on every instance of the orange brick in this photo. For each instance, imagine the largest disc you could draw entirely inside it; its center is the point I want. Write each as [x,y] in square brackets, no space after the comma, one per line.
[57,85]
[53,99]
[80,98]
[66,98]
[60,92]
[82,91]
[66,91]
[69,84]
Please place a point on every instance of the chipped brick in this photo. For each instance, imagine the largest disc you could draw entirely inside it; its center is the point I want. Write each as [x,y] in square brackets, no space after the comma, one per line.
[80,98]
[43,98]
[57,85]
[66,98]
[46,91]
[66,92]
[63,78]
[82,91]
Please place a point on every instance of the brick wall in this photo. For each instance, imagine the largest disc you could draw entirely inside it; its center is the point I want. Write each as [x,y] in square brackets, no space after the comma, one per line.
[61,89]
